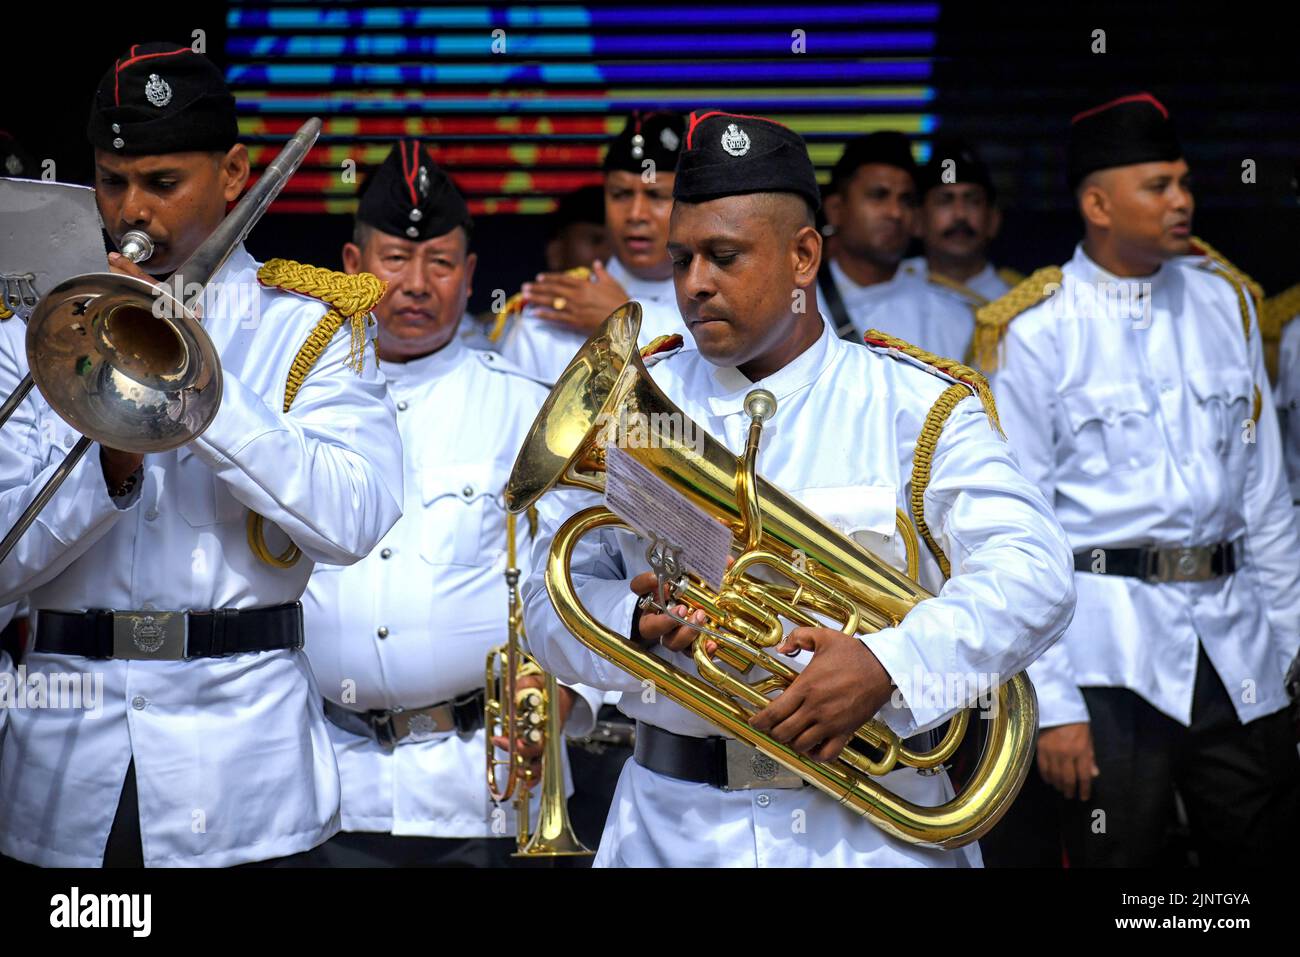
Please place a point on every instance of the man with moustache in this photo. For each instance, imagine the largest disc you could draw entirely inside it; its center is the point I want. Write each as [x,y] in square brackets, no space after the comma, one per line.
[745,253]
[399,640]
[175,577]
[957,220]
[1131,382]
[558,311]
[871,210]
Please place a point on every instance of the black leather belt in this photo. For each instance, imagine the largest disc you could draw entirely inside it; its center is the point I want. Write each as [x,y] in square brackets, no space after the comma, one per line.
[168,635]
[388,729]
[716,761]
[1196,563]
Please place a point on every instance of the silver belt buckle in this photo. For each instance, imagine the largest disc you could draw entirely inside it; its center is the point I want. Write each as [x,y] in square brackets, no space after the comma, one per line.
[748,768]
[151,635]
[420,724]
[1189,564]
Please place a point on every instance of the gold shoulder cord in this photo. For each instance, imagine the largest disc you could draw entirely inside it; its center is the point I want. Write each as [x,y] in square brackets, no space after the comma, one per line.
[1010,276]
[1278,311]
[4,313]
[1241,285]
[991,321]
[350,298]
[969,381]
[963,290]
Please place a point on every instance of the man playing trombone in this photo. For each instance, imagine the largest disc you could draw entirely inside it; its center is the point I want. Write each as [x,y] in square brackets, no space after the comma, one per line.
[175,576]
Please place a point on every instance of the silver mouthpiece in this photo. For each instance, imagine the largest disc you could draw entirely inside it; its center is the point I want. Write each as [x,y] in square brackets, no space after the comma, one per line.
[137,246]
[760,404]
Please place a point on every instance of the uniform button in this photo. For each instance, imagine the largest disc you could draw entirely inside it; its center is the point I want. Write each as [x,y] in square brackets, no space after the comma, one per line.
[386,553]
[150,515]
[382,632]
[118,143]
[402,406]
[138,702]
[1187,460]
[467,491]
[1166,386]
[764,800]
[67,441]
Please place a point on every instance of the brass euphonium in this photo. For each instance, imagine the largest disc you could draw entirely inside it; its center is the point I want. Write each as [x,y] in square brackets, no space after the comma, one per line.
[123,361]
[526,714]
[830,575]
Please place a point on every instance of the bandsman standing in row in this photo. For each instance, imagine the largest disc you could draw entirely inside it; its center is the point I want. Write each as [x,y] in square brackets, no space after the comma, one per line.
[957,220]
[558,311]
[176,576]
[871,210]
[399,639]
[745,254]
[1131,383]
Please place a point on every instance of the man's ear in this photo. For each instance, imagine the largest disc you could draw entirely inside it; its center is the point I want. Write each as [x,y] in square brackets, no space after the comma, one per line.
[1094,205]
[234,172]
[351,258]
[807,256]
[995,223]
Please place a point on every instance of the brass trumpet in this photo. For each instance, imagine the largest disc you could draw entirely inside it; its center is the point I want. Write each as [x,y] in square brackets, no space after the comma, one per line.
[829,575]
[527,714]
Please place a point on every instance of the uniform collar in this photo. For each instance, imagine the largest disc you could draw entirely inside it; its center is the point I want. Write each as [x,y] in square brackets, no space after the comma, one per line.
[1118,297]
[428,367]
[732,386]
[1089,271]
[656,290]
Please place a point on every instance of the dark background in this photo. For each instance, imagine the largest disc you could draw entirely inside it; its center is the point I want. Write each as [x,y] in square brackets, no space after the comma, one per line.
[1008,77]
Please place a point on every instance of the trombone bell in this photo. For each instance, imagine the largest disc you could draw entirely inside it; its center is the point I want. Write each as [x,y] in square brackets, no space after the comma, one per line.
[118,373]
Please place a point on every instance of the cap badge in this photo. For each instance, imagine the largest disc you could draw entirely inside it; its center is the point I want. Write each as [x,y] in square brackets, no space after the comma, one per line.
[157,91]
[422,182]
[735,141]
[668,139]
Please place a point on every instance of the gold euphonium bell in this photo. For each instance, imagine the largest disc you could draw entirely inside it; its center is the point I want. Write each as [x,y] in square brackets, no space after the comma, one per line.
[526,714]
[830,575]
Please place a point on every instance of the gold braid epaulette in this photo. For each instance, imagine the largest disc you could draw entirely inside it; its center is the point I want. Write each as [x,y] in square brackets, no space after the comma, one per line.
[4,313]
[1277,312]
[350,299]
[515,305]
[968,381]
[991,321]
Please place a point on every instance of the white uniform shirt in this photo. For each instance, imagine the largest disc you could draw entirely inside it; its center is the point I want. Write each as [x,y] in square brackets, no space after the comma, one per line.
[543,349]
[436,584]
[1127,401]
[1010,599]
[986,282]
[1286,394]
[232,760]
[910,308]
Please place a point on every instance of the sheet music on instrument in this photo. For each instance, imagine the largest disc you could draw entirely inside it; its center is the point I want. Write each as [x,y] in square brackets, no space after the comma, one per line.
[49,232]
[658,511]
